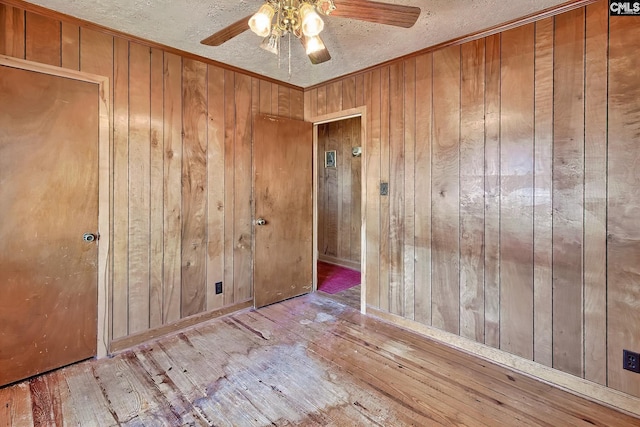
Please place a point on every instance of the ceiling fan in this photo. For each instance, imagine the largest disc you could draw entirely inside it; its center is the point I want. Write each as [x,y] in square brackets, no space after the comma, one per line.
[301,18]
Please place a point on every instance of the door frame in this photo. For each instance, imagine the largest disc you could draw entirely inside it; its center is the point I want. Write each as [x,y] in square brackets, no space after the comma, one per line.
[104,174]
[335,117]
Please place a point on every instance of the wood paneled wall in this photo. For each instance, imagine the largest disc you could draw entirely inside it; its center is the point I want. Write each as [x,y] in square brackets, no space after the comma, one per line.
[181,183]
[512,218]
[339,192]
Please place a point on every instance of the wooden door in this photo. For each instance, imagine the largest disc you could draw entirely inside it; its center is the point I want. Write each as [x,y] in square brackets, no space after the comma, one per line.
[283,171]
[48,200]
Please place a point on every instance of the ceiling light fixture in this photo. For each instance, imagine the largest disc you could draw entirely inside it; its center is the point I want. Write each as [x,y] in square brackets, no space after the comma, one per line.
[292,17]
[297,17]
[304,19]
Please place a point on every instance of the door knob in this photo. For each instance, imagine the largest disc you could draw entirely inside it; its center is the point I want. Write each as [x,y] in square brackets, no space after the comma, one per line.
[89,237]
[260,221]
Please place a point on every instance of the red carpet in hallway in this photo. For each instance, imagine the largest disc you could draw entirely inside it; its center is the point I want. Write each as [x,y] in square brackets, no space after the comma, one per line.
[333,278]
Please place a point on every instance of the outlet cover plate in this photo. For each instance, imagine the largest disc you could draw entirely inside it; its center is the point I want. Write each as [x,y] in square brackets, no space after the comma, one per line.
[631,361]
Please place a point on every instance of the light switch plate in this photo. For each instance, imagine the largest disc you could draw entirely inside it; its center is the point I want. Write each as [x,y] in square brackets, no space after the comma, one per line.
[384,188]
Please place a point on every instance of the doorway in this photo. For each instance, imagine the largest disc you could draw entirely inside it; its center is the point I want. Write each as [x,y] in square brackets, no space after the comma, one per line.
[339,217]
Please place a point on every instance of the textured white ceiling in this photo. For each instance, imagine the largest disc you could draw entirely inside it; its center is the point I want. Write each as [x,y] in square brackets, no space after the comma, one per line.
[353,45]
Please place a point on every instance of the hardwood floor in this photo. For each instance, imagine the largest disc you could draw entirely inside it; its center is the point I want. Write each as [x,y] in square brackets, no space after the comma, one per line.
[309,361]
[349,297]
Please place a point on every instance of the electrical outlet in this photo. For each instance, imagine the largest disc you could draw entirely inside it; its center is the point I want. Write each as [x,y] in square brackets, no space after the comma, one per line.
[384,188]
[631,361]
[218,288]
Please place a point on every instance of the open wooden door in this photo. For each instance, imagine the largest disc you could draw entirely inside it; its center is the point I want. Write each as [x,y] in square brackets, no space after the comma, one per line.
[49,130]
[283,176]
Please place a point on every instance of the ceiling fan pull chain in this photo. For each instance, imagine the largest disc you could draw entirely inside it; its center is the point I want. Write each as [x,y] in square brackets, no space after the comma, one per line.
[289,54]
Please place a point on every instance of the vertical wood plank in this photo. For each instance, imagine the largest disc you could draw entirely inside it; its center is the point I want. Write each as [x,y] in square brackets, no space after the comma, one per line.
[296,104]
[139,185]
[43,39]
[120,290]
[331,187]
[242,276]
[360,90]
[623,201]
[424,120]
[492,192]
[265,97]
[70,46]
[595,194]
[311,108]
[12,37]
[321,102]
[348,93]
[322,192]
[409,214]
[97,54]
[172,203]
[385,202]
[472,191]
[372,157]
[284,109]
[344,189]
[194,191]
[255,96]
[156,221]
[445,205]
[543,187]
[306,101]
[313,103]
[216,208]
[568,192]
[356,191]
[516,198]
[229,183]
[333,97]
[275,98]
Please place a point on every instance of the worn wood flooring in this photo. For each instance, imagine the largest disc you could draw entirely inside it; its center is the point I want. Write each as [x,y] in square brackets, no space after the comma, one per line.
[310,361]
[349,297]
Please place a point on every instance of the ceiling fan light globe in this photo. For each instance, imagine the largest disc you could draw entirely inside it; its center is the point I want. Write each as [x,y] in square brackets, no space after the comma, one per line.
[271,43]
[313,44]
[311,23]
[260,22]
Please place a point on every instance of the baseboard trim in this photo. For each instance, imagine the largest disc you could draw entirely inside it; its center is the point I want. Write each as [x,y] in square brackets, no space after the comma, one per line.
[353,265]
[124,343]
[579,386]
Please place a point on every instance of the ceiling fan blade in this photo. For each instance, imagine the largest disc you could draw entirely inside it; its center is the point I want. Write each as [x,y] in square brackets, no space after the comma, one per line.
[228,32]
[380,13]
[317,57]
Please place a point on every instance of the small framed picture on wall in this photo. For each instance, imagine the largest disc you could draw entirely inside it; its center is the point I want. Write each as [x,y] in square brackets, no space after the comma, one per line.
[330,159]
